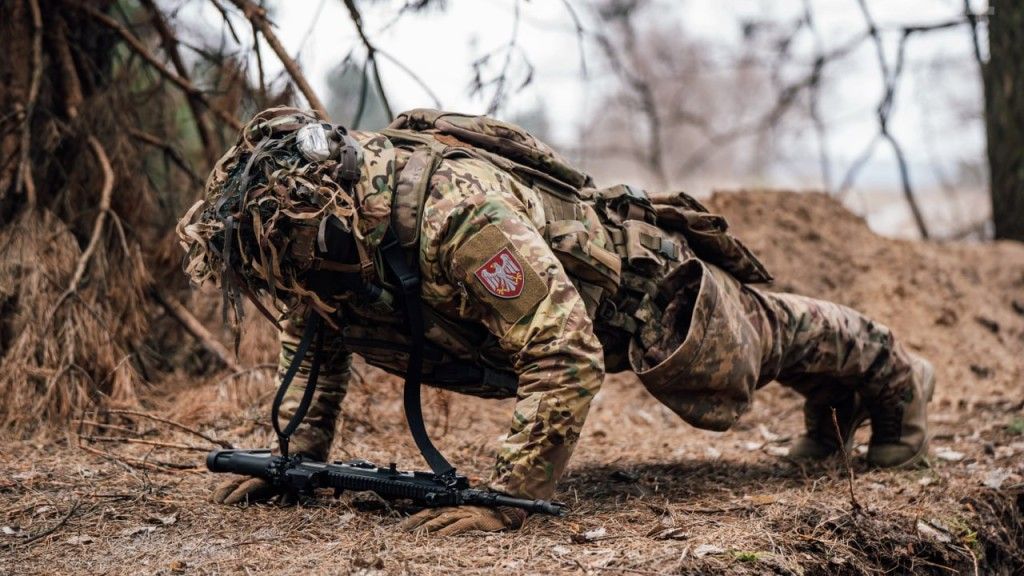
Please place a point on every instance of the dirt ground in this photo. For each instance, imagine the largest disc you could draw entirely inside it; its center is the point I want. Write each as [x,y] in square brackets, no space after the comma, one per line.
[649,494]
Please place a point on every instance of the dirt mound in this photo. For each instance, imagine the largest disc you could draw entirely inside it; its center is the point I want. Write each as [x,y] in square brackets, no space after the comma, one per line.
[650,494]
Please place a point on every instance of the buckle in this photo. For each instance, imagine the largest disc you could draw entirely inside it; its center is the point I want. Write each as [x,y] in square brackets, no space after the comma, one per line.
[606,310]
[669,249]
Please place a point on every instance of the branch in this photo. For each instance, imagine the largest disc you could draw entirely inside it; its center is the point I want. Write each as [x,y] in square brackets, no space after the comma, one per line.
[106,192]
[258,16]
[170,44]
[891,79]
[23,177]
[156,443]
[136,45]
[371,54]
[171,423]
[196,329]
[173,153]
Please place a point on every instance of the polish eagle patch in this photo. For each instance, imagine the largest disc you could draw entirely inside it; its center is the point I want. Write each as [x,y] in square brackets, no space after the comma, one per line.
[502,275]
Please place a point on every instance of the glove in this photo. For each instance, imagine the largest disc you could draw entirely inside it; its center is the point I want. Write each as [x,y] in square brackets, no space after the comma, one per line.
[242,489]
[457,520]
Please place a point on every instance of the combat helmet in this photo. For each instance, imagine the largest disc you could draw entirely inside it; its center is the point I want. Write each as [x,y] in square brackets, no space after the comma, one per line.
[271,207]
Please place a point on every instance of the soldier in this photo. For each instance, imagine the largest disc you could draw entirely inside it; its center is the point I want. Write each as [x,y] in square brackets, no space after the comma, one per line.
[535,284]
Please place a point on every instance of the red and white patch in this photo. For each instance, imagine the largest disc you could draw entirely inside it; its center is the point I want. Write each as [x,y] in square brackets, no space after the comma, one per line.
[502,275]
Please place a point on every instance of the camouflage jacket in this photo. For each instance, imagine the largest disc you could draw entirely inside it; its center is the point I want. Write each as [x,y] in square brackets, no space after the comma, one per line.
[474,217]
[539,290]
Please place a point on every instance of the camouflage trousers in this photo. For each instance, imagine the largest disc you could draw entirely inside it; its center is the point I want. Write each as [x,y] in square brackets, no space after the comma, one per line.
[718,340]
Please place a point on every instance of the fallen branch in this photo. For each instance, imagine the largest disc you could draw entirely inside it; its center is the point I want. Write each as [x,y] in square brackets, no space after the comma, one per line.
[197,330]
[157,443]
[71,512]
[132,462]
[258,16]
[171,423]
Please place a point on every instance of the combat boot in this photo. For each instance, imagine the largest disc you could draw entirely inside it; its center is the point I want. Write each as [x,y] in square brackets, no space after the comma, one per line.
[819,441]
[899,427]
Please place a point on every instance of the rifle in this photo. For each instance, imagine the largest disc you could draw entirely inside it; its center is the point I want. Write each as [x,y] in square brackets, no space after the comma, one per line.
[299,475]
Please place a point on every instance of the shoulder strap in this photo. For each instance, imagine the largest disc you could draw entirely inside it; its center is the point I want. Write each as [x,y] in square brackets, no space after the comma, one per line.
[411,193]
[408,277]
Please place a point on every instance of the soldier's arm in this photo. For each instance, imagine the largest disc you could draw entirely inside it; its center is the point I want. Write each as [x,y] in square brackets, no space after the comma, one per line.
[316,433]
[544,328]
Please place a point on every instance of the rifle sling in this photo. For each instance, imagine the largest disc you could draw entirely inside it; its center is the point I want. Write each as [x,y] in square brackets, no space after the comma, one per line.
[408,278]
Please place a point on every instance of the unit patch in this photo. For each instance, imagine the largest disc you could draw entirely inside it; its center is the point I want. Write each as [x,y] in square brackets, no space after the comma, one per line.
[502,275]
[495,270]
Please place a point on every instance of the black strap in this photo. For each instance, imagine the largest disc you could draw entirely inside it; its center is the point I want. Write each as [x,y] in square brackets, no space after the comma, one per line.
[408,278]
[313,330]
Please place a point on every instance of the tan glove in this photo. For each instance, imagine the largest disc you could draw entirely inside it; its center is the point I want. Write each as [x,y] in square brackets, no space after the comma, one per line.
[457,520]
[242,489]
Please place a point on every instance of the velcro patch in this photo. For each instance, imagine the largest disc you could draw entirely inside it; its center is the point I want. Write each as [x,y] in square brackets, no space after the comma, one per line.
[499,275]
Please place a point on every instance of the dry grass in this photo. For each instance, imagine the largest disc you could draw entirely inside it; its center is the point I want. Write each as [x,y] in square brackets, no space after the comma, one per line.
[62,353]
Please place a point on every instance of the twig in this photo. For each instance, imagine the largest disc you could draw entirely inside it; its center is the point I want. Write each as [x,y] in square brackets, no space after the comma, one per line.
[371,54]
[173,153]
[23,177]
[246,372]
[580,33]
[195,104]
[415,77]
[157,443]
[196,329]
[106,192]
[83,422]
[846,461]
[890,79]
[71,512]
[171,423]
[258,16]
[139,48]
[131,462]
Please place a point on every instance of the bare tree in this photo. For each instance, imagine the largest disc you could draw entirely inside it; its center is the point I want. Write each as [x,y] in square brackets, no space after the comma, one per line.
[1004,116]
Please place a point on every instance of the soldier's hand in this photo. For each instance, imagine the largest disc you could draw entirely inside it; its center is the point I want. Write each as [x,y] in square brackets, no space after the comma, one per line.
[242,489]
[456,520]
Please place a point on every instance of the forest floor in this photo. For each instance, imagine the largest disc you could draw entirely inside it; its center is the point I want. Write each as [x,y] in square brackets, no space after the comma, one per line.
[649,494]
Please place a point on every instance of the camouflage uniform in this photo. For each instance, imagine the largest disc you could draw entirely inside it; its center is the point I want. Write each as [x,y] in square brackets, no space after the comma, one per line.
[700,340]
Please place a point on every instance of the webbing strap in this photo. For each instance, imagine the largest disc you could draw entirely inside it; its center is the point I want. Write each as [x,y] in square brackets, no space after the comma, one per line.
[313,330]
[408,278]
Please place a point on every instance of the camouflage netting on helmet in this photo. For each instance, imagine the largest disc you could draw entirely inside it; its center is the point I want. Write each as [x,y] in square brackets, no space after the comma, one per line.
[265,206]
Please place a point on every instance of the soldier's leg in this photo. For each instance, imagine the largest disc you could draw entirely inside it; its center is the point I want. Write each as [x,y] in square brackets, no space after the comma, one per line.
[316,432]
[838,358]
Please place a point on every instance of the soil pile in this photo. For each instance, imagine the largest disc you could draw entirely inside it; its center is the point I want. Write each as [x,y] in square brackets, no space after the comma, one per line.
[650,495]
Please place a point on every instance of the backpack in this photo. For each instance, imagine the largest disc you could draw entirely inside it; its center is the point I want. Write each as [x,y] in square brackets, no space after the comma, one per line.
[597,234]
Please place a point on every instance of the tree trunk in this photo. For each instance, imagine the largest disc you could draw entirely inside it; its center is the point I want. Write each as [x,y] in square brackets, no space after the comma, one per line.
[1004,117]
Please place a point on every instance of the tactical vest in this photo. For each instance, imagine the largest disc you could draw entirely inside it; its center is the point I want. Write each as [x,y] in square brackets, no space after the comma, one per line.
[614,243]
